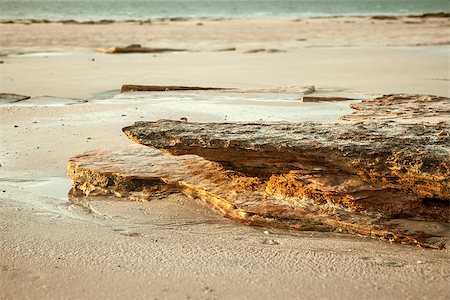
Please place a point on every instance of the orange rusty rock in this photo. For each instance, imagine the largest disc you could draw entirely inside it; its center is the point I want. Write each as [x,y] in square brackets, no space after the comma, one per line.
[140,173]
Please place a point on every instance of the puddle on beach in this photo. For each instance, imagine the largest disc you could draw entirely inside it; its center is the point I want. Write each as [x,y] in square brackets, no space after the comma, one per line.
[170,212]
[282,98]
[236,106]
[228,106]
[55,187]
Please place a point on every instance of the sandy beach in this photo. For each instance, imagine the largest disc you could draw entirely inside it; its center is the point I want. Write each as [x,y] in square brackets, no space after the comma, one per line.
[176,248]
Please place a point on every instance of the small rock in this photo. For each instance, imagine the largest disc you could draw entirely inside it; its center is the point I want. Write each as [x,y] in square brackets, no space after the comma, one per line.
[442,133]
[269,242]
[266,232]
[274,50]
[356,107]
[309,90]
[226,49]
[15,126]
[384,18]
[254,51]
[323,99]
[134,46]
[184,120]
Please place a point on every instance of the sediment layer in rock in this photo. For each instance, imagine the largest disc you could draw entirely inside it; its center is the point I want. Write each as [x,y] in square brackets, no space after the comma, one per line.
[138,172]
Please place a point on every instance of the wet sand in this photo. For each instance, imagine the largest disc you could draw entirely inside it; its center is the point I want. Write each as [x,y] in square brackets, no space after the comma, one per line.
[177,248]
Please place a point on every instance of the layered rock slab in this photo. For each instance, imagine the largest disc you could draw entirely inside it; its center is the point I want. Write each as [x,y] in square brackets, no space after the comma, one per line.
[136,48]
[398,142]
[390,158]
[137,173]
[163,88]
[382,171]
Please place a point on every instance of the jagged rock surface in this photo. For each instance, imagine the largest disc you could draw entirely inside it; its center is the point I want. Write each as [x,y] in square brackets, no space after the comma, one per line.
[138,173]
[406,148]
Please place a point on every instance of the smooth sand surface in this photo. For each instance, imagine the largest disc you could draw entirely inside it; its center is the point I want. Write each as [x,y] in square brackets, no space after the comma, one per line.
[176,248]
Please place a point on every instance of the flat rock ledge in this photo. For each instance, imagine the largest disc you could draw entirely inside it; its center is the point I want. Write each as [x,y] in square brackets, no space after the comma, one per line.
[383,171]
[136,48]
[6,98]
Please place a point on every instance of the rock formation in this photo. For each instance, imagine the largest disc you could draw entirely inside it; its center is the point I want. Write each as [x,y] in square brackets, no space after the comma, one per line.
[136,48]
[263,50]
[163,88]
[324,99]
[395,141]
[383,171]
[6,98]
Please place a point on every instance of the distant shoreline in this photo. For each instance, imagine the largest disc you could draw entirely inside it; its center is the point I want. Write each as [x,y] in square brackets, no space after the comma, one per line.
[246,36]
[27,21]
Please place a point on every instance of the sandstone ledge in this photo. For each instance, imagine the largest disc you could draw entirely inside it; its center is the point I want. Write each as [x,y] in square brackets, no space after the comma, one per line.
[139,173]
[396,149]
[382,171]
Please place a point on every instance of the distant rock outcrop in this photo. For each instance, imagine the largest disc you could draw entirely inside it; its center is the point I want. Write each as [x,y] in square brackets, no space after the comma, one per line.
[136,48]
[163,88]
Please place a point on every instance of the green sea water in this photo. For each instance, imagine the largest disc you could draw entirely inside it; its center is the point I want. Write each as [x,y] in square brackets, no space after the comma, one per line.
[148,9]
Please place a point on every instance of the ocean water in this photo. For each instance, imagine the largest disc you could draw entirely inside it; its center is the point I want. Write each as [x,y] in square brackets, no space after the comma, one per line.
[148,9]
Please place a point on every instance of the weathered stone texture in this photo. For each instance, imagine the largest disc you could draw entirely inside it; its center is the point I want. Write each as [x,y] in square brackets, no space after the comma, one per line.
[382,171]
